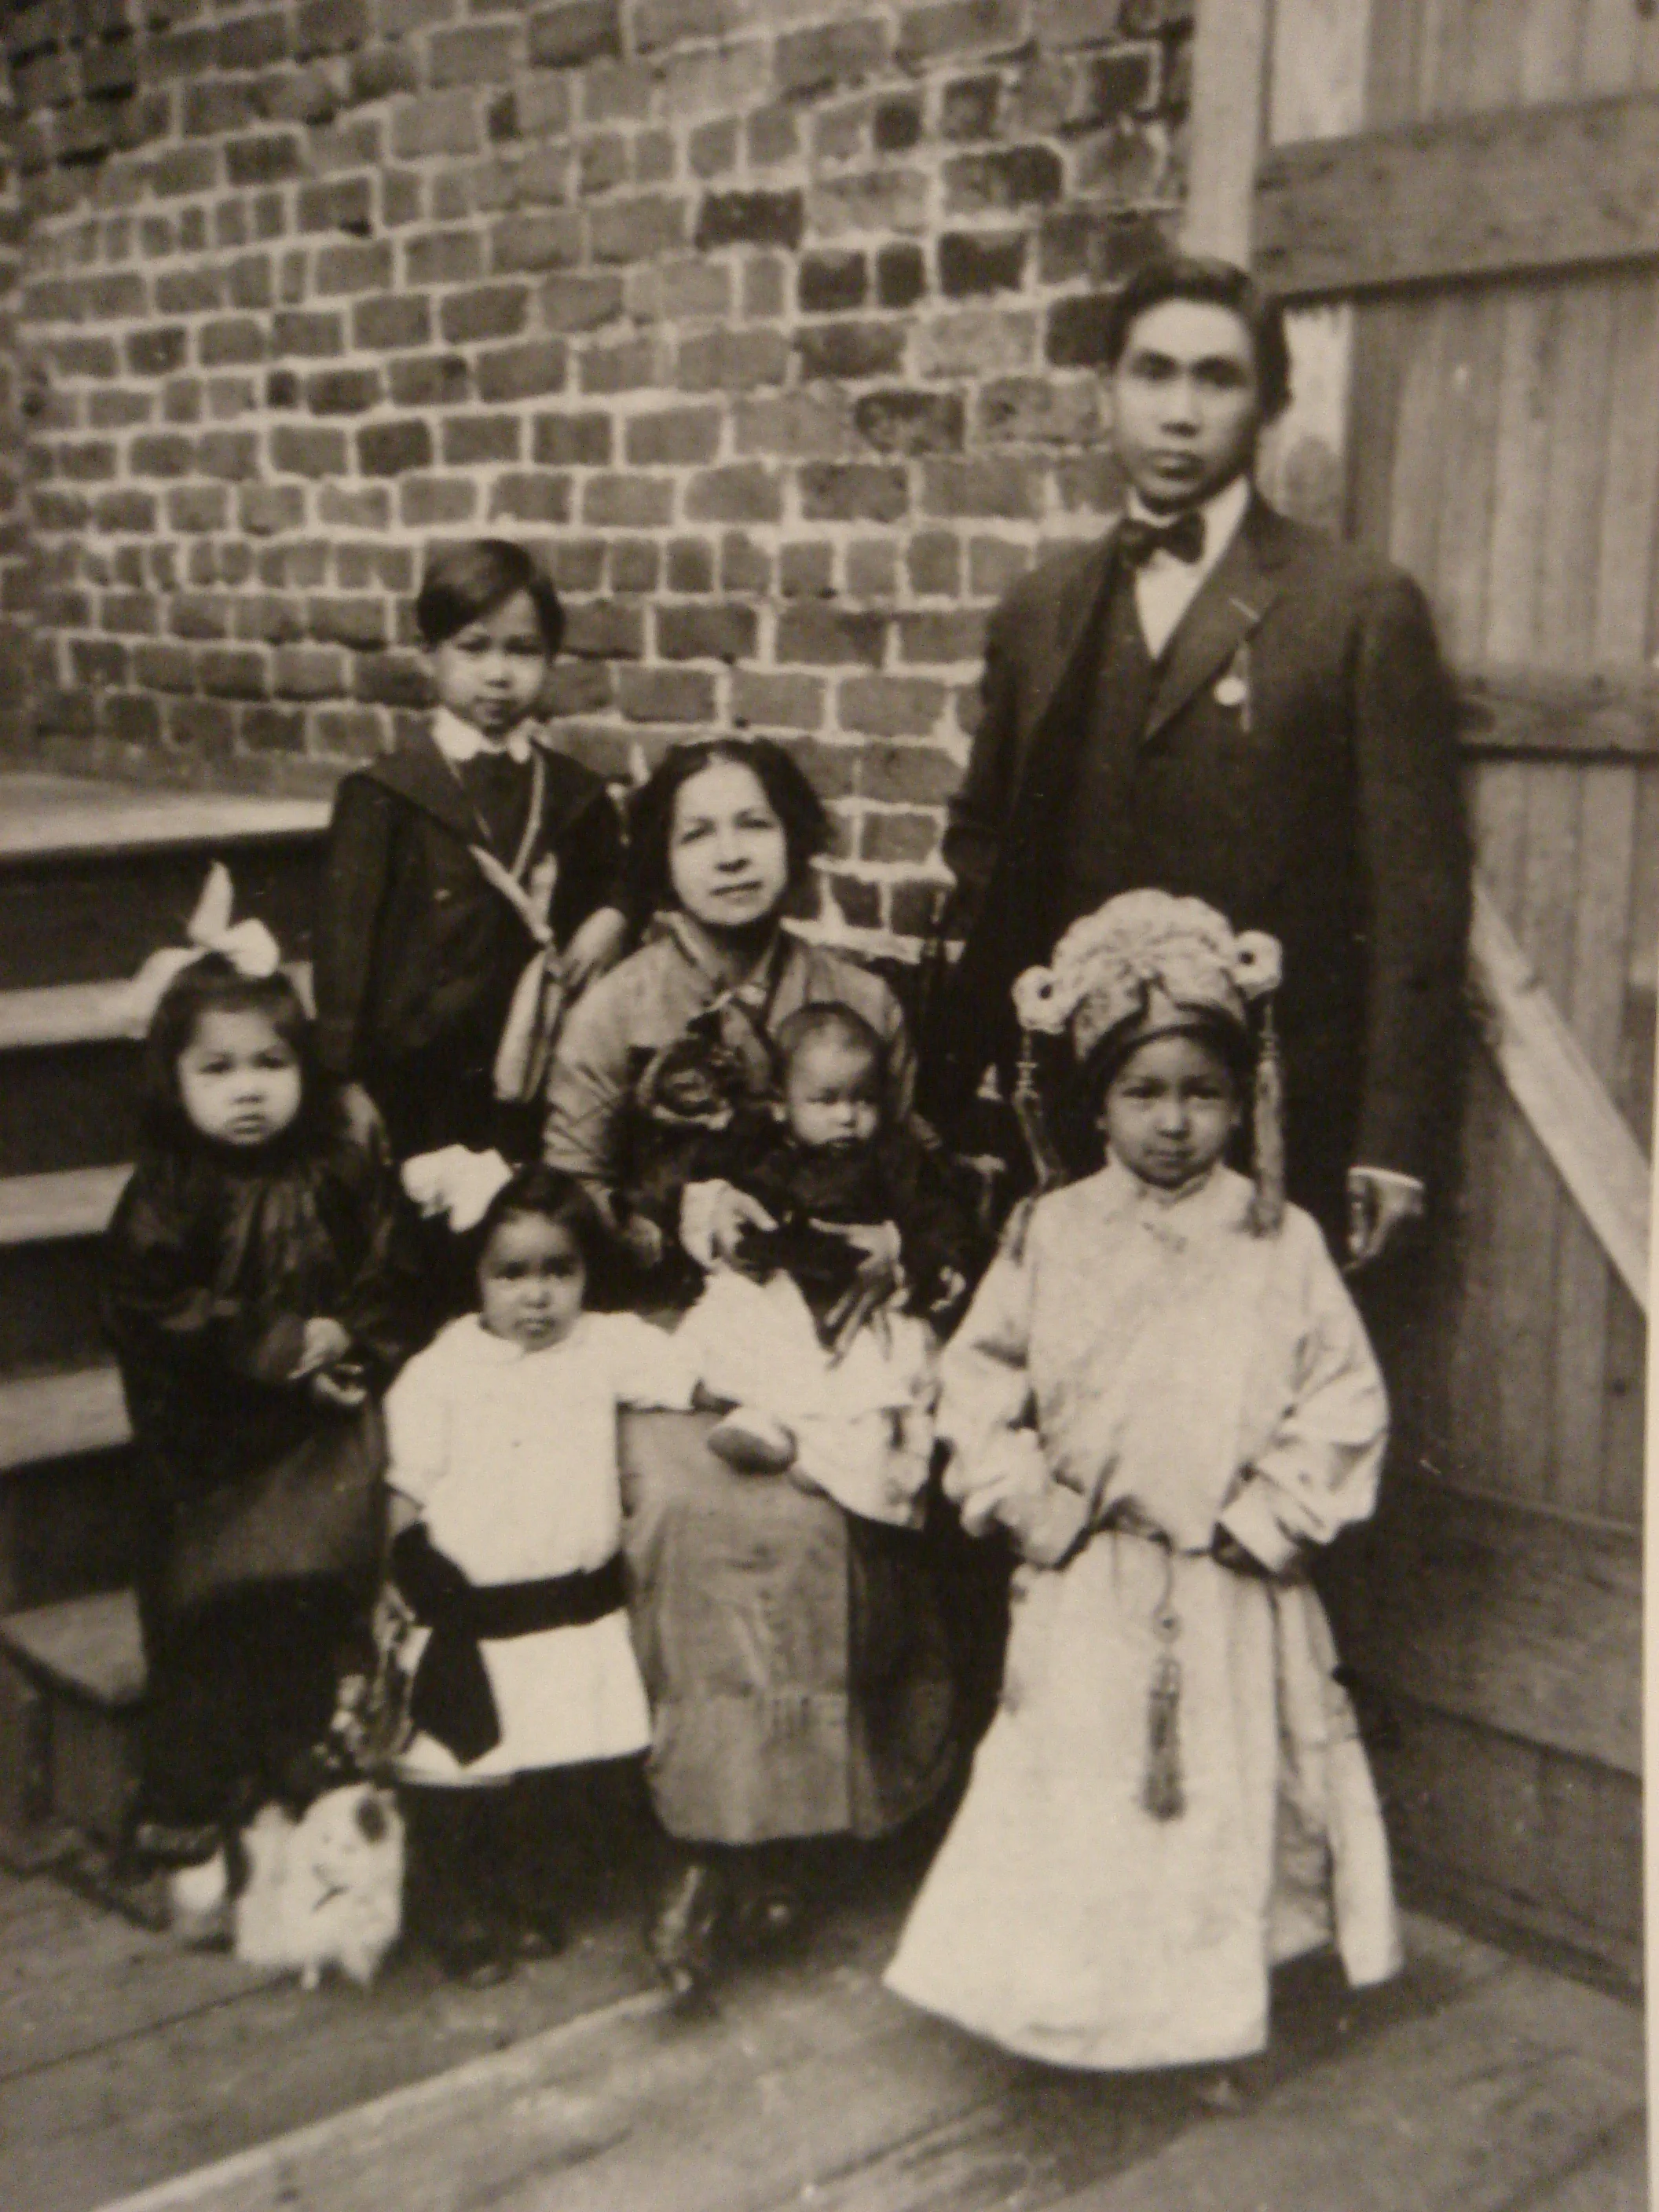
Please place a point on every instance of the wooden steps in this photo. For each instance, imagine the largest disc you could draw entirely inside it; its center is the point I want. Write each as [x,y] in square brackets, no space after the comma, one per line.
[50,1225]
[47,1418]
[76,1673]
[68,1509]
[50,1208]
[68,1079]
[63,1014]
[94,877]
[88,1646]
[70,1070]
[83,1013]
[56,816]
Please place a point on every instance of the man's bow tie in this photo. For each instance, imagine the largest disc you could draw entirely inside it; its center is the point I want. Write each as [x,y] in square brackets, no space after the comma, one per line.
[1183,539]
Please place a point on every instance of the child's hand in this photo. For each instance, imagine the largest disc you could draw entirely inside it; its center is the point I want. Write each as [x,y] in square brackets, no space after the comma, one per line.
[325,1344]
[341,1386]
[714,1220]
[880,1241]
[1006,1482]
[597,945]
[879,1279]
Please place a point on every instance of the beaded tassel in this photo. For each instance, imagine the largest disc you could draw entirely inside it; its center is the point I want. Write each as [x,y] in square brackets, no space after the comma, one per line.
[1033,1121]
[1267,1205]
[1163,1792]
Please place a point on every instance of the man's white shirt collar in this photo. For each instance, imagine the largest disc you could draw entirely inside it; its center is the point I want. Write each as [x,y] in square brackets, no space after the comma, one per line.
[1222,516]
[459,742]
[1166,587]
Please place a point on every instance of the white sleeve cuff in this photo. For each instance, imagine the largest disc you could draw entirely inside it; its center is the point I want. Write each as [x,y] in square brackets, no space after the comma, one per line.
[1251,1521]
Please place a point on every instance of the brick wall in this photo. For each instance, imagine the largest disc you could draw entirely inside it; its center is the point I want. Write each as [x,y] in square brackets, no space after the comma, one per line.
[15,635]
[772,322]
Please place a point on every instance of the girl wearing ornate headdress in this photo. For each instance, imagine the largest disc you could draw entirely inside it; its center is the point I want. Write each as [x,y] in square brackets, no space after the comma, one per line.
[1163,1393]
[257,1301]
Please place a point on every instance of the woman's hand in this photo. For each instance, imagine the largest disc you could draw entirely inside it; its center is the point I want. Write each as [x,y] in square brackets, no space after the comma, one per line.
[596,946]
[325,1343]
[715,1217]
[643,1241]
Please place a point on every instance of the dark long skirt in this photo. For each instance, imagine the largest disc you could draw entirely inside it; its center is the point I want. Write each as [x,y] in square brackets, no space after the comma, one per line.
[239,1690]
[798,1672]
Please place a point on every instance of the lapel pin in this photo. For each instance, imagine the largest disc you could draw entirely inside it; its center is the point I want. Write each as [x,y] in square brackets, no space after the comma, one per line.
[1233,688]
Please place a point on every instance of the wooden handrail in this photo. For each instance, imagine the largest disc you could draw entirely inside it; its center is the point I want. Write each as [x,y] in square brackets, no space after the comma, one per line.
[1564,1102]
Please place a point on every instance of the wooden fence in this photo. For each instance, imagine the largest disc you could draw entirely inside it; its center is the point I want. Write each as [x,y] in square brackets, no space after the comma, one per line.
[1461,200]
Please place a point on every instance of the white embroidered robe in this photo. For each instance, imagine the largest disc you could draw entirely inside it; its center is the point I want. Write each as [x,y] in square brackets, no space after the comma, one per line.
[1151,1362]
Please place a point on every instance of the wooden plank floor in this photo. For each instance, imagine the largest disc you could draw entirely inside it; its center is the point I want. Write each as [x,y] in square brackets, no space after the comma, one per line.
[129,2070]
[124,2059]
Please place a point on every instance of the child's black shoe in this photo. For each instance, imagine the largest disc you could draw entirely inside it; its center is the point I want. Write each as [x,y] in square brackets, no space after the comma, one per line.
[471,1950]
[768,1918]
[539,1933]
[176,1844]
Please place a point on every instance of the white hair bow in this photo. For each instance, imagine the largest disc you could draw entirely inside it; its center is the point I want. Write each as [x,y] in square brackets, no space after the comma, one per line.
[249,946]
[456,1182]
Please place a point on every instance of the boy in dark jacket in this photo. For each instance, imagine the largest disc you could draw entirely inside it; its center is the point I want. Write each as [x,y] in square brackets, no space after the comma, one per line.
[455,859]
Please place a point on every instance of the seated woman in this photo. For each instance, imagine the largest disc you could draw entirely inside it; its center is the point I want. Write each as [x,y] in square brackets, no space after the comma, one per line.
[798,1678]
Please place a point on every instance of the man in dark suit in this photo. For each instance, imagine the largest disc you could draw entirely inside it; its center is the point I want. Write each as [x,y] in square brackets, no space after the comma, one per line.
[1220,702]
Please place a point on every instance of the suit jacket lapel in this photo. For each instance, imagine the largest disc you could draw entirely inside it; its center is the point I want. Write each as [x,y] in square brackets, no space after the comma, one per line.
[1056,648]
[418,772]
[1234,597]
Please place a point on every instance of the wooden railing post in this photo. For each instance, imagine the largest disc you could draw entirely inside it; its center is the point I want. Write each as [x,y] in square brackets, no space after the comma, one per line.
[1229,95]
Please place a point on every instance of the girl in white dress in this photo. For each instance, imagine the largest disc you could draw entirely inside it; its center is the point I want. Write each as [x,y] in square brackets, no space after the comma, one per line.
[1162,1391]
[507,1508]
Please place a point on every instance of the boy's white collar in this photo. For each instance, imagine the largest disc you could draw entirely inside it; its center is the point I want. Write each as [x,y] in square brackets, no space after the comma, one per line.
[459,742]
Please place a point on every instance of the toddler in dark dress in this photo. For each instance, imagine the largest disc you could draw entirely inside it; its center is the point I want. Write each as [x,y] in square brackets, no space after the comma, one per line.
[257,1286]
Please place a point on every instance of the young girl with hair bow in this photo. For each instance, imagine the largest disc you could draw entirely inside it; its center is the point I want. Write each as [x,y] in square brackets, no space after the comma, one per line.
[256,1288]
[527,1699]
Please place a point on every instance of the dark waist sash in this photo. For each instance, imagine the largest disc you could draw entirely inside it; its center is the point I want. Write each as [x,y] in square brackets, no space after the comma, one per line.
[450,1696]
[492,1611]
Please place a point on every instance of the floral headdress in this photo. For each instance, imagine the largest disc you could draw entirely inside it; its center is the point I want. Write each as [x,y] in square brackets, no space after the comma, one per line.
[1148,964]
